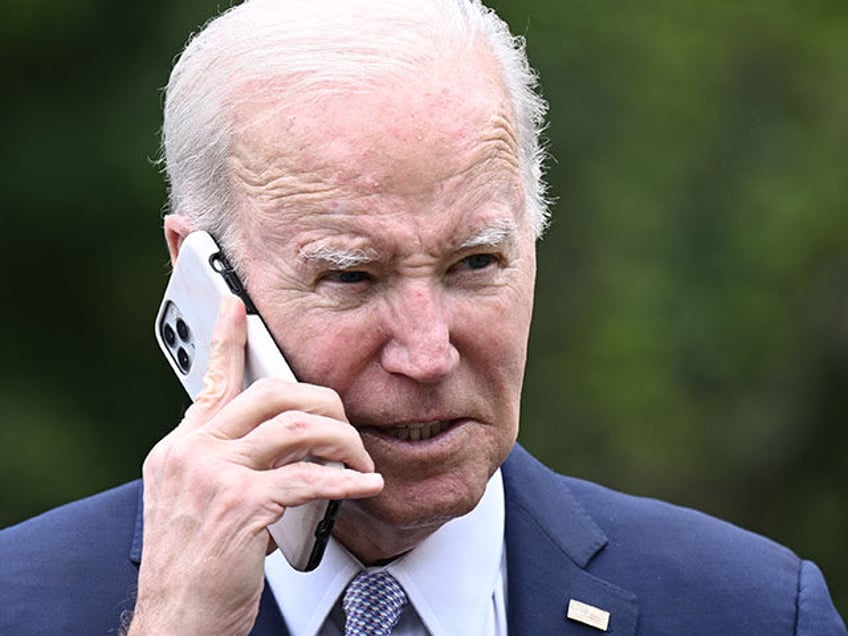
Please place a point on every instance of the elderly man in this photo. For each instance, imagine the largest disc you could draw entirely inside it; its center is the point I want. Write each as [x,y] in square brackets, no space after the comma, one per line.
[374,171]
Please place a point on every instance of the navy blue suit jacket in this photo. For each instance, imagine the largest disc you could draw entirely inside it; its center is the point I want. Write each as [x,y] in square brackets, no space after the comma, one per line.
[656,568]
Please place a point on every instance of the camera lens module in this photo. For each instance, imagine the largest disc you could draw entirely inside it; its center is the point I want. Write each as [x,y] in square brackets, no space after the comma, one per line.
[183,360]
[182,330]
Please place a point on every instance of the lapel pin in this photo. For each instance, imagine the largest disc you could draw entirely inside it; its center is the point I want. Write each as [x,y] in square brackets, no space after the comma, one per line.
[588,615]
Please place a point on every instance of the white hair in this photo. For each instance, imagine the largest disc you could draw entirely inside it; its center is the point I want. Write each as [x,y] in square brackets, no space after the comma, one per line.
[297,50]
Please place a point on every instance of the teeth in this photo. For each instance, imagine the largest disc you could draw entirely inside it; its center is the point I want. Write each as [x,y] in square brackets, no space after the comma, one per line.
[417,432]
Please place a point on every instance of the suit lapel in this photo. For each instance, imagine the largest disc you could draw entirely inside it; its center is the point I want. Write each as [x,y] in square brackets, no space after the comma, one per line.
[550,542]
[269,621]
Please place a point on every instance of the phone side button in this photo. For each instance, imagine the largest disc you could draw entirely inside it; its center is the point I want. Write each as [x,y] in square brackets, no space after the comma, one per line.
[323,529]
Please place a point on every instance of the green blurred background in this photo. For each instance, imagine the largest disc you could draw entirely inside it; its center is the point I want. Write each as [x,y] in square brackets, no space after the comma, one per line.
[691,331]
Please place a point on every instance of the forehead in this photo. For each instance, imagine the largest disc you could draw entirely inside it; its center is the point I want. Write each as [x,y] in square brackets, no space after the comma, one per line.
[440,143]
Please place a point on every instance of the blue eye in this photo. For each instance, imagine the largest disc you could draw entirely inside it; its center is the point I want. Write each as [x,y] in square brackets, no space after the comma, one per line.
[479,261]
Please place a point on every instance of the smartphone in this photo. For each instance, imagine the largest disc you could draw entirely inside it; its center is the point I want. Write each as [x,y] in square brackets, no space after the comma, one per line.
[202,276]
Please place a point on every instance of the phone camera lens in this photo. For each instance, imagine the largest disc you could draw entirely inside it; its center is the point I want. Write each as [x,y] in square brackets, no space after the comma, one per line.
[182,330]
[183,360]
[169,335]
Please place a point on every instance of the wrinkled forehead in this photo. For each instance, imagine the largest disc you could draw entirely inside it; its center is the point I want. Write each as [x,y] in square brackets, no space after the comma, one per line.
[432,163]
[353,133]
[353,129]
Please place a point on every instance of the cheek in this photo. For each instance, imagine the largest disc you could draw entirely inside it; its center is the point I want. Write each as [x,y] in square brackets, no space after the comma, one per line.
[328,348]
[498,332]
[497,352]
[496,358]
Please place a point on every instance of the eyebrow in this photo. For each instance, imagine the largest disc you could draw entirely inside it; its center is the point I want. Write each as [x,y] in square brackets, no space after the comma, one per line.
[492,236]
[337,257]
[495,235]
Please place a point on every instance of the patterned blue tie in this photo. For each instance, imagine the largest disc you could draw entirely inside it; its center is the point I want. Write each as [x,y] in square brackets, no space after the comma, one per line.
[372,604]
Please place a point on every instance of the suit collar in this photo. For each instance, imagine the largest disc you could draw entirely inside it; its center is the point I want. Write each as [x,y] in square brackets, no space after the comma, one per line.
[550,542]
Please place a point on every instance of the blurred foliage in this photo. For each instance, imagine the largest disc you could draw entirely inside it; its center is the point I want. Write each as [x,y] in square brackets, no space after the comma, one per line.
[691,330]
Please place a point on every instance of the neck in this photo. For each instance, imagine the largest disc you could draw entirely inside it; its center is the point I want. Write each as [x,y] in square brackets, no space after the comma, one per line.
[374,541]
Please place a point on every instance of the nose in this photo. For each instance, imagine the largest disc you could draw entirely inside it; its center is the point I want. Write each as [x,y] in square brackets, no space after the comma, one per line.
[419,343]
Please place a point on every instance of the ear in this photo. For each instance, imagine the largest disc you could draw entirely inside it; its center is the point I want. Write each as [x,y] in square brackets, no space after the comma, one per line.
[177,228]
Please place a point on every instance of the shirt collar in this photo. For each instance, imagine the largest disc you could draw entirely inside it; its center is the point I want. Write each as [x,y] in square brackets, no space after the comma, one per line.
[449,578]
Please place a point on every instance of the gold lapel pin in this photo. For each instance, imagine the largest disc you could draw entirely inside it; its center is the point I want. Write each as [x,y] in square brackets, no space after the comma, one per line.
[588,615]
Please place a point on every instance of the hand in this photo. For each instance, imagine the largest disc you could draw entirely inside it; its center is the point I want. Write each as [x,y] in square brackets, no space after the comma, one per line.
[231,467]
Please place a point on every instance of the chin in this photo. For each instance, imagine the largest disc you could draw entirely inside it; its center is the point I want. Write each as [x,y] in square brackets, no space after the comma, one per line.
[378,529]
[424,504]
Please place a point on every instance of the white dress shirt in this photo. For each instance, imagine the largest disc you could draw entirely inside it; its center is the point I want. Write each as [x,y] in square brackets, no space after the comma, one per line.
[455,580]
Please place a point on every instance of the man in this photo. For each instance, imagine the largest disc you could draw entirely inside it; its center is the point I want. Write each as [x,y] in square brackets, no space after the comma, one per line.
[373,169]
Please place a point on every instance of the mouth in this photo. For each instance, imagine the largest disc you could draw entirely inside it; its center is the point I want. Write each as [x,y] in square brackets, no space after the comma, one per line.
[415,431]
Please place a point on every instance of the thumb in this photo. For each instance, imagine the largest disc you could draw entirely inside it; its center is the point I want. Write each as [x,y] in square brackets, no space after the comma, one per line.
[224,378]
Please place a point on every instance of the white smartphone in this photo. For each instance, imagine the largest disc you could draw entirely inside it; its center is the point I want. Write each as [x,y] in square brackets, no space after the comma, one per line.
[202,276]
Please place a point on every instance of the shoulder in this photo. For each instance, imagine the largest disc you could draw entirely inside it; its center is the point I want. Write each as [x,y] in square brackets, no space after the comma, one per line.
[651,526]
[629,523]
[71,566]
[677,561]
[99,522]
[678,556]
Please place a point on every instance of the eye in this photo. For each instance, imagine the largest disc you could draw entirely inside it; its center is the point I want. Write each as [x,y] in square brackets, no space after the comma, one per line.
[346,277]
[477,262]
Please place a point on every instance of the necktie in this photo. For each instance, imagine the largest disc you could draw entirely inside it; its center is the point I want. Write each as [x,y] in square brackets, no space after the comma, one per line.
[372,604]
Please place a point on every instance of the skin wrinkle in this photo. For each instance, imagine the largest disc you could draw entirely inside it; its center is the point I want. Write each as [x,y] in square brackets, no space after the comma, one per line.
[324,222]
[319,222]
[267,188]
[287,190]
[310,195]
[271,179]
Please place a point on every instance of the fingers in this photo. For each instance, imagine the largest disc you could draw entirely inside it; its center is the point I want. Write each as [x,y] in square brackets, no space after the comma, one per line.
[224,378]
[293,436]
[267,397]
[301,482]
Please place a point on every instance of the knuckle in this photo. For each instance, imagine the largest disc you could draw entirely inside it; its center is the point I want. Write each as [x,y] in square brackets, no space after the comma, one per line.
[297,484]
[214,391]
[313,480]
[293,424]
[156,459]
[176,460]
[172,455]
[180,451]
[218,346]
